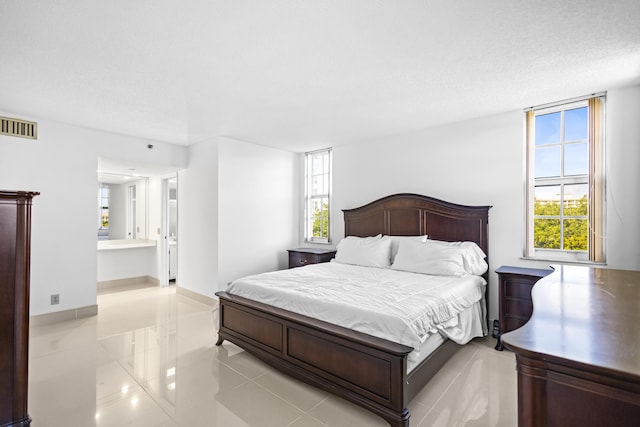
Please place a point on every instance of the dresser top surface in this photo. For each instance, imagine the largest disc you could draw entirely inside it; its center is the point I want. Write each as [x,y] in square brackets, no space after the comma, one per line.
[585,315]
[526,271]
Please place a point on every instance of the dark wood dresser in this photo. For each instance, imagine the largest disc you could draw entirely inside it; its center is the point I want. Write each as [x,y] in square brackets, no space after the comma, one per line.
[300,257]
[578,357]
[15,254]
[514,287]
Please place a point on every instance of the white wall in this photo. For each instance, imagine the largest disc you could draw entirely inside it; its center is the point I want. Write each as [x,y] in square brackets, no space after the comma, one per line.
[62,165]
[480,162]
[237,213]
[154,208]
[127,263]
[117,212]
[140,228]
[198,220]
[154,218]
[258,208]
[623,177]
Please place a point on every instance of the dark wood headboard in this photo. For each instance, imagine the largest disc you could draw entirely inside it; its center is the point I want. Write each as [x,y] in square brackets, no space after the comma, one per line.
[415,215]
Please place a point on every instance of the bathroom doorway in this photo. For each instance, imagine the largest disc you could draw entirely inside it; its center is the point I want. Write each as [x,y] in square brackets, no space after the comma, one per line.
[133,219]
[171,235]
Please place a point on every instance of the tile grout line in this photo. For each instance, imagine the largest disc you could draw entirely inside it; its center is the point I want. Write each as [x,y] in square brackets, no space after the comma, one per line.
[448,387]
[278,396]
[148,393]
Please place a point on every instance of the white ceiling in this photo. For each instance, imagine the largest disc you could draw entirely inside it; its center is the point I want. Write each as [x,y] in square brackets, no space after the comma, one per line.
[302,75]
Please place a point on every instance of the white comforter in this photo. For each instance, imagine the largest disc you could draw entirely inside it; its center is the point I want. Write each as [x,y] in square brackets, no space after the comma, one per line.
[398,306]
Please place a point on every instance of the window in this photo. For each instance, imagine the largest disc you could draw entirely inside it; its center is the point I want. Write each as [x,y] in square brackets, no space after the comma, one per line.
[317,196]
[565,177]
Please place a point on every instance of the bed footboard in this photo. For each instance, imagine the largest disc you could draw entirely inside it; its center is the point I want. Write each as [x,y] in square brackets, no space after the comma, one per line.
[365,370]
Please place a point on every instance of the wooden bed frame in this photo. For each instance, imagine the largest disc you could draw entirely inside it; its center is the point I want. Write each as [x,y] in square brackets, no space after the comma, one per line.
[363,369]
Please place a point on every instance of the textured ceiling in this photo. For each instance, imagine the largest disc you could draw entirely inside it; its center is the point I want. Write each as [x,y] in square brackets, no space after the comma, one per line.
[302,75]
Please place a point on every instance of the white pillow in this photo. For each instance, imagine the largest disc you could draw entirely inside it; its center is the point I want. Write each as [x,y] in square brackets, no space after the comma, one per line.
[472,255]
[438,260]
[365,251]
[395,242]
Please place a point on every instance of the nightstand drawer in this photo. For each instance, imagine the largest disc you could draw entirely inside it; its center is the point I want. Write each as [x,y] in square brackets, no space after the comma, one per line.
[305,256]
[297,259]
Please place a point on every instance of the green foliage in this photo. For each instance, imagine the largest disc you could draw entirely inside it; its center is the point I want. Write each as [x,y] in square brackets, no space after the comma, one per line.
[546,231]
[321,222]
[546,208]
[579,209]
[575,234]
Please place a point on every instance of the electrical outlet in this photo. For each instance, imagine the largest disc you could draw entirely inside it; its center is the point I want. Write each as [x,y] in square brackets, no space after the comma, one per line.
[55,299]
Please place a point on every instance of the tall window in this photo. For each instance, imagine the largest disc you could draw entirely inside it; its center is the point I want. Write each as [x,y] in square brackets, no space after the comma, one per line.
[317,196]
[565,179]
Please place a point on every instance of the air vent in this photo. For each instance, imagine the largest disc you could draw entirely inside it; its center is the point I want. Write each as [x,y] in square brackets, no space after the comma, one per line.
[17,127]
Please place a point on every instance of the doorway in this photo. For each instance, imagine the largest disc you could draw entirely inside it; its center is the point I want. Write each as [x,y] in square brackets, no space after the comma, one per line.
[133,220]
[171,228]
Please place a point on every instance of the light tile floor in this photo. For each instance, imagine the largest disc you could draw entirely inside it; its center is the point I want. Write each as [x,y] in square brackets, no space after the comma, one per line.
[149,359]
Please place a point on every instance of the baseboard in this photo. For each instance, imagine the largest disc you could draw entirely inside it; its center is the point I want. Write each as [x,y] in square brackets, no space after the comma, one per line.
[213,302]
[64,315]
[129,282]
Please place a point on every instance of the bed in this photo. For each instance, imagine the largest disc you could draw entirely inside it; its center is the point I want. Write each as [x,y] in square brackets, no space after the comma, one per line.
[364,369]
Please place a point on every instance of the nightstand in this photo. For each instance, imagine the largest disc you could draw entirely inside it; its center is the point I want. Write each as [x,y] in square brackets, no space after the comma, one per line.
[514,287]
[300,257]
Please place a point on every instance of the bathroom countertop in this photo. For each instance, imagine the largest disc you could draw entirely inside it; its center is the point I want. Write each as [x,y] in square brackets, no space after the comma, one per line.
[109,245]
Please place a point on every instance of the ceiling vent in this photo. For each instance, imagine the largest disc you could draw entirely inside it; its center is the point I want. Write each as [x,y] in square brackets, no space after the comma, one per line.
[17,127]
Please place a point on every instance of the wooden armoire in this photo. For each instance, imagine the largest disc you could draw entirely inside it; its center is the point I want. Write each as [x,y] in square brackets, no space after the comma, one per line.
[15,254]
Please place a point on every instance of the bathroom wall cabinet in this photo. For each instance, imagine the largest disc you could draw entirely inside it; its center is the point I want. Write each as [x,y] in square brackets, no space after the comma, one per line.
[15,254]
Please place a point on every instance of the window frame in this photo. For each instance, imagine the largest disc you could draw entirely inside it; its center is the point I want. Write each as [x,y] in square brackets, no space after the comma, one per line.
[309,197]
[594,179]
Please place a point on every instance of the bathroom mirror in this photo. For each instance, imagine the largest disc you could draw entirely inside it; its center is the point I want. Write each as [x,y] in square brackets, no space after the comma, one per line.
[122,196]
[122,202]
[130,199]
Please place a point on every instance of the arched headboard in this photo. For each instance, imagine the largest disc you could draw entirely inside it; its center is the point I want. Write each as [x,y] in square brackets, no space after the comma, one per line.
[414,215]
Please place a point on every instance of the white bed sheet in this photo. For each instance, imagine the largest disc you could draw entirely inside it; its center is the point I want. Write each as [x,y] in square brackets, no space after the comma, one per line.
[399,306]
[468,325]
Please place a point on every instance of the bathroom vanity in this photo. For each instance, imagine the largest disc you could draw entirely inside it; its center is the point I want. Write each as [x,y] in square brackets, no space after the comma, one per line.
[126,260]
